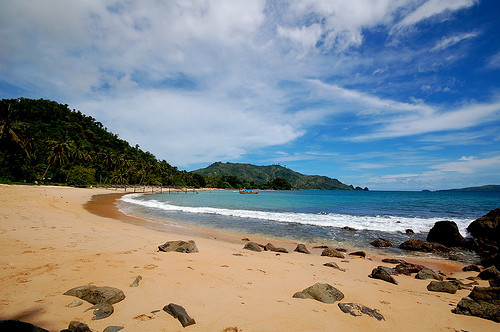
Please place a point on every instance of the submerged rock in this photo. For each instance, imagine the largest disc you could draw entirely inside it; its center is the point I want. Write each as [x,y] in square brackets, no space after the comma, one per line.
[94,294]
[179,246]
[320,292]
[382,243]
[357,309]
[482,302]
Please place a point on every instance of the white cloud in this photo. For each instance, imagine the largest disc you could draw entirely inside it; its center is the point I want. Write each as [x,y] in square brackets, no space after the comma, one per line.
[446,42]
[494,62]
[430,9]
[470,165]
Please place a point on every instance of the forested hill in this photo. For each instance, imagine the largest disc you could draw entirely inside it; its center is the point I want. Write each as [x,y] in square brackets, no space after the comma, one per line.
[46,142]
[487,188]
[258,175]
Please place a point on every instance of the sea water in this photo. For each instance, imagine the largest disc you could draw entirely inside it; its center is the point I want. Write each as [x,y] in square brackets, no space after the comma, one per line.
[315,216]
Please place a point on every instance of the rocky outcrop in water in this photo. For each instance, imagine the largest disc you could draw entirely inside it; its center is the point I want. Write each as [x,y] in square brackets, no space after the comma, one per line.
[446,232]
[486,242]
[424,246]
[320,292]
[382,243]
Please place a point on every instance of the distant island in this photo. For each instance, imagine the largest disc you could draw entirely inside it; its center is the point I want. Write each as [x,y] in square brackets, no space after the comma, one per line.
[486,188]
[249,175]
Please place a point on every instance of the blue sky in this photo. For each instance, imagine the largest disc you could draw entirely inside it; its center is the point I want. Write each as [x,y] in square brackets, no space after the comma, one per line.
[401,94]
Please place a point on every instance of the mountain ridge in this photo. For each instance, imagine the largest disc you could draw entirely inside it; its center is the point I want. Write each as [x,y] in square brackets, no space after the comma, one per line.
[262,174]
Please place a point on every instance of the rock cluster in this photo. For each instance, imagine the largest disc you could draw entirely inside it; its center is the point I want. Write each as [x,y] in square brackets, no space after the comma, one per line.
[179,246]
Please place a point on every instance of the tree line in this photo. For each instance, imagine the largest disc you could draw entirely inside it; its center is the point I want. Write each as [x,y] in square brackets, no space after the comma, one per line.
[42,141]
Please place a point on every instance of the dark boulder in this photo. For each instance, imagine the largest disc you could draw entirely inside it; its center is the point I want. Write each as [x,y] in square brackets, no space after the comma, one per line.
[382,243]
[471,267]
[347,228]
[101,310]
[358,253]
[18,326]
[382,274]
[494,282]
[302,248]
[180,313]
[179,246]
[330,252]
[409,231]
[393,261]
[94,294]
[446,232]
[428,274]
[482,302]
[489,273]
[79,327]
[442,286]
[271,247]
[320,292]
[486,227]
[424,246]
[357,309]
[408,268]
[252,246]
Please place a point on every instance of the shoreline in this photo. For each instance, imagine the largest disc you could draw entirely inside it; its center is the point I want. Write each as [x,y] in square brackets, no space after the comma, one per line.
[52,242]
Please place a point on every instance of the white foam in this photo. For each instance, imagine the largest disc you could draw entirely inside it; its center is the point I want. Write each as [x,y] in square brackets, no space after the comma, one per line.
[374,223]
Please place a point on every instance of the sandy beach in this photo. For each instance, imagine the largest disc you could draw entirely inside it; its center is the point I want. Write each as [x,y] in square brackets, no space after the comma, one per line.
[53,239]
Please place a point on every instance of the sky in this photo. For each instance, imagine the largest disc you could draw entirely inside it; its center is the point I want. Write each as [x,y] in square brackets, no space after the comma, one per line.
[387,94]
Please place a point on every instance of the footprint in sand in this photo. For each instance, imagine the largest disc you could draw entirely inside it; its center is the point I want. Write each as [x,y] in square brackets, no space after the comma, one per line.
[150,266]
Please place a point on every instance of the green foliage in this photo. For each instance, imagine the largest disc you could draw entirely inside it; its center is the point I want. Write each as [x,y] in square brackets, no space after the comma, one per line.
[278,184]
[80,176]
[44,141]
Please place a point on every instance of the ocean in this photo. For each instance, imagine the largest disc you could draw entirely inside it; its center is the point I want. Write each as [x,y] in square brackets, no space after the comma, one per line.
[315,216]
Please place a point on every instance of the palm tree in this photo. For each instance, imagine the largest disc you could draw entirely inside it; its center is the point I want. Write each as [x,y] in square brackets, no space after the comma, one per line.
[58,153]
[11,130]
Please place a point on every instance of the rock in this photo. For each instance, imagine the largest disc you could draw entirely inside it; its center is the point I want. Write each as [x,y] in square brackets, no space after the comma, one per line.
[334,265]
[358,253]
[180,313]
[492,260]
[347,228]
[494,282]
[482,302]
[135,283]
[302,248]
[486,227]
[424,246]
[381,273]
[408,268]
[330,252]
[428,274]
[409,231]
[472,267]
[18,326]
[75,303]
[179,246]
[446,232]
[393,261]
[113,329]
[442,286]
[270,247]
[382,243]
[79,327]
[356,309]
[320,292]
[94,294]
[252,246]
[489,273]
[101,310]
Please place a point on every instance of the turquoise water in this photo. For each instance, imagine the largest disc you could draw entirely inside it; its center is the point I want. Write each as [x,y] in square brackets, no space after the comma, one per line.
[315,215]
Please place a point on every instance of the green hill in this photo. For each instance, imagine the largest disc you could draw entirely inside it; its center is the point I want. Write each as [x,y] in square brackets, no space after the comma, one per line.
[486,188]
[262,174]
